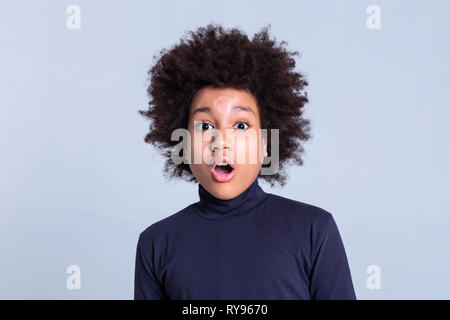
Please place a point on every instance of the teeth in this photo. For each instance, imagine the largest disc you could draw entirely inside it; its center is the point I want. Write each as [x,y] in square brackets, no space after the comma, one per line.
[221,163]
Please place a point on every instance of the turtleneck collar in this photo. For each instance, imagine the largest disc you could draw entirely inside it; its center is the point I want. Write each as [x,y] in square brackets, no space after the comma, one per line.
[214,208]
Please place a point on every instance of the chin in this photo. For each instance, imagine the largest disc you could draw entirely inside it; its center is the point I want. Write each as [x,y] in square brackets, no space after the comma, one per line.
[224,190]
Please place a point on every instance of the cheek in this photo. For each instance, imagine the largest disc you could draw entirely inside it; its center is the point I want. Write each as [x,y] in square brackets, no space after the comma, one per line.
[200,149]
[248,149]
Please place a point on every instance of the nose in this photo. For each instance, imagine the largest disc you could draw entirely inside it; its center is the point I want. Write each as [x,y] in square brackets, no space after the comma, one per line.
[220,140]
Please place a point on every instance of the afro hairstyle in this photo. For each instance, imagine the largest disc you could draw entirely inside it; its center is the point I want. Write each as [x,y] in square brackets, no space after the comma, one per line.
[219,58]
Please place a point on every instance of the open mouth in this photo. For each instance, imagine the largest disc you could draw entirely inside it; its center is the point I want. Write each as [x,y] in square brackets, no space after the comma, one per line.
[223,169]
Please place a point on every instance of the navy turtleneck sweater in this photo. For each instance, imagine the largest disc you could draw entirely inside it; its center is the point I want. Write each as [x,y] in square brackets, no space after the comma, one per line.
[257,245]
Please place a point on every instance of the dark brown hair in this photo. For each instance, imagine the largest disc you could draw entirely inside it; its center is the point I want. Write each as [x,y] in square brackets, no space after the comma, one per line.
[212,56]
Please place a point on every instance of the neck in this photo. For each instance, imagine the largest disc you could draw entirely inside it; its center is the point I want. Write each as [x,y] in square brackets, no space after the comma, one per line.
[214,208]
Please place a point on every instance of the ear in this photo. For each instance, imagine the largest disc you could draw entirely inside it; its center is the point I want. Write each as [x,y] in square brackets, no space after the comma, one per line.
[185,155]
[265,147]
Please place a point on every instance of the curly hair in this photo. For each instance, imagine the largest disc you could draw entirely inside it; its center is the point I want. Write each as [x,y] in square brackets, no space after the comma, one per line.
[212,56]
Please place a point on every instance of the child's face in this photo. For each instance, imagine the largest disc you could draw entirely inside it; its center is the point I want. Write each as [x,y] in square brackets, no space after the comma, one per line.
[232,123]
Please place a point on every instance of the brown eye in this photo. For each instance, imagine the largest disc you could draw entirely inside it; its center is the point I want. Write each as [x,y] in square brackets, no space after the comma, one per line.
[203,126]
[242,125]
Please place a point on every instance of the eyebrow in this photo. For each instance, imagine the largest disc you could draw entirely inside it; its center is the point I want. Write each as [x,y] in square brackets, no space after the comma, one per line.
[235,109]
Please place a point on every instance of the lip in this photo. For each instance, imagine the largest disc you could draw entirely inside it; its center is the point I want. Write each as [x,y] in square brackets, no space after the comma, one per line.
[223,177]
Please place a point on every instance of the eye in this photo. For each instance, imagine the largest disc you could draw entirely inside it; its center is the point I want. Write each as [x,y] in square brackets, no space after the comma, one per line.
[244,123]
[203,126]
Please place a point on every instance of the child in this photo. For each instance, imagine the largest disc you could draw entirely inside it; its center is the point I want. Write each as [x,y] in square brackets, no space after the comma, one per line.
[237,241]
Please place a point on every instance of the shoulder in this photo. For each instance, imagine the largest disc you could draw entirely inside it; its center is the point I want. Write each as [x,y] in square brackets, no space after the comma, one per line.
[310,223]
[159,230]
[298,210]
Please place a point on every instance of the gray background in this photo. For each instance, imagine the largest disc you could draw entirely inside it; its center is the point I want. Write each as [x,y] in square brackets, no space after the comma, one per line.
[78,183]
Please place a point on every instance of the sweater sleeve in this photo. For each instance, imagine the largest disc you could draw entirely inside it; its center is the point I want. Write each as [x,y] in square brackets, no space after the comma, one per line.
[146,284]
[330,277]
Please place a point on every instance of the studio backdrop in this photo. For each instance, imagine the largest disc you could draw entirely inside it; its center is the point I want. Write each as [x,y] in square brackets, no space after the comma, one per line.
[78,183]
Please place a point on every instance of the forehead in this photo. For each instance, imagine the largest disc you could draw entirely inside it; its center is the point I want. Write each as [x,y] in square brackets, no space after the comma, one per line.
[223,101]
